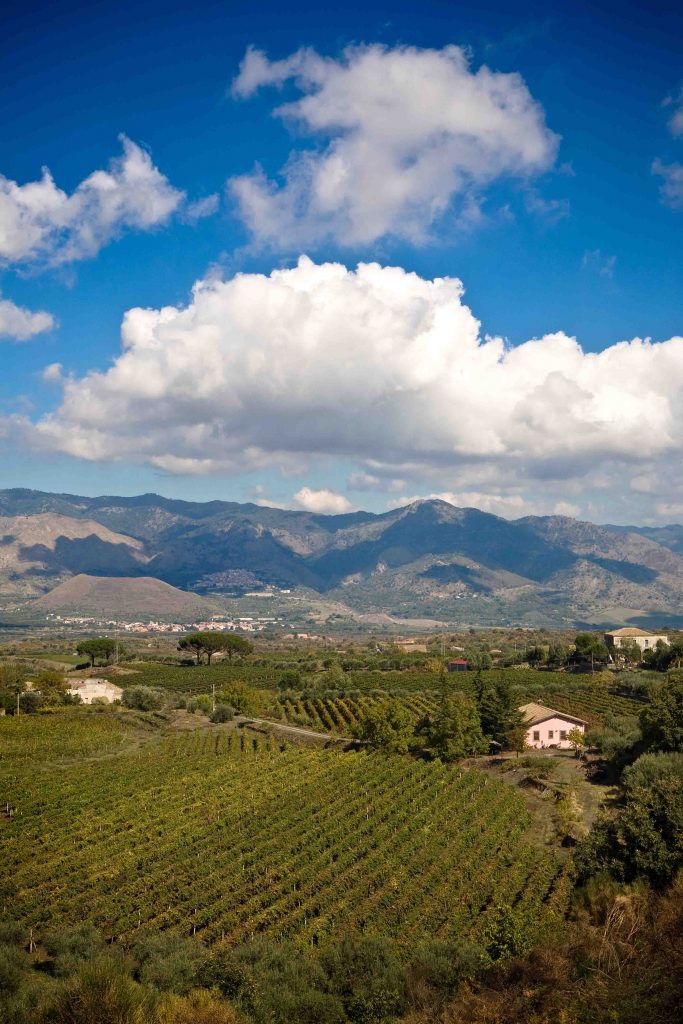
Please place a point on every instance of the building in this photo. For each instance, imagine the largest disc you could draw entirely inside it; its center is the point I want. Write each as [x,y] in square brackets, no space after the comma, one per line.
[616,638]
[90,689]
[548,728]
[459,665]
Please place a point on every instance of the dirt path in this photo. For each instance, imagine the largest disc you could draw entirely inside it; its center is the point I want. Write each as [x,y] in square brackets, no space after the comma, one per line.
[294,730]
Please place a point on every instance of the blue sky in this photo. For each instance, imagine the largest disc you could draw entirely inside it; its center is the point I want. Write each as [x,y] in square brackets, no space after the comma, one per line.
[577,238]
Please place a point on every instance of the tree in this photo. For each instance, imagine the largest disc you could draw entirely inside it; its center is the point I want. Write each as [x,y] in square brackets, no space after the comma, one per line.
[233,644]
[386,727]
[12,685]
[644,839]
[208,643]
[98,647]
[455,730]
[630,653]
[515,739]
[577,739]
[477,659]
[589,647]
[498,710]
[51,685]
[662,720]
[557,655]
[535,656]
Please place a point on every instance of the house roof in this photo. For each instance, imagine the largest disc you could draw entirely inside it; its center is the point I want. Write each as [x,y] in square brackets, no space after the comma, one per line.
[630,631]
[535,713]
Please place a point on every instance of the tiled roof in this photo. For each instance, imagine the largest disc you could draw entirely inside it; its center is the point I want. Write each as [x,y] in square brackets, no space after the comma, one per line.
[629,631]
[535,713]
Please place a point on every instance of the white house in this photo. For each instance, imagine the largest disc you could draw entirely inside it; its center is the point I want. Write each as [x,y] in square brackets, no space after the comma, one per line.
[548,728]
[616,638]
[89,689]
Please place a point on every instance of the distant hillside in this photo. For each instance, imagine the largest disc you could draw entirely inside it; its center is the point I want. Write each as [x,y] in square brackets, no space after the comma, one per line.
[427,560]
[112,597]
[36,551]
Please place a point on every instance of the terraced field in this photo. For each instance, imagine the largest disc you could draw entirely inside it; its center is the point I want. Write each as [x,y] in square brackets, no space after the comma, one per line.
[219,834]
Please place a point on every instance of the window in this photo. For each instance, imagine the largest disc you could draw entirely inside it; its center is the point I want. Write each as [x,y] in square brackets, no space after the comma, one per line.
[563,734]
[550,734]
[537,735]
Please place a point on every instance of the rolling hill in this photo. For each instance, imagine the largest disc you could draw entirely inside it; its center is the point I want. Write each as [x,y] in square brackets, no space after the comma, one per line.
[144,597]
[428,559]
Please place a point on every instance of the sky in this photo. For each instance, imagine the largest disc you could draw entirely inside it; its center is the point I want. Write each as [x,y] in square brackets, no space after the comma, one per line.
[344,258]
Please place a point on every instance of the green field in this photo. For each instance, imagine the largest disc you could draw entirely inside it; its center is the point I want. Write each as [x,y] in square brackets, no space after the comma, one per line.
[220,834]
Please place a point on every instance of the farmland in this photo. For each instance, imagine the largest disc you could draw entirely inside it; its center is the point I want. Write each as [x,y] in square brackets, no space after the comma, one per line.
[292,843]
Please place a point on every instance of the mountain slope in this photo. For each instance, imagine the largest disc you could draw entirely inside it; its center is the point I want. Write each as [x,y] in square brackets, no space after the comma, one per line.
[113,597]
[428,559]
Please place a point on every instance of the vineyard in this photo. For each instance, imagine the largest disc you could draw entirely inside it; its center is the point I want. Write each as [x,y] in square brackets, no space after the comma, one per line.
[223,834]
[338,709]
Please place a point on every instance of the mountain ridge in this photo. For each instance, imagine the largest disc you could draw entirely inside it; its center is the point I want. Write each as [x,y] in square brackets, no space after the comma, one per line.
[427,558]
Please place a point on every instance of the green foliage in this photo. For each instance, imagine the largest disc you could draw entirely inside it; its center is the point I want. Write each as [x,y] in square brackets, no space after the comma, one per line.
[366,974]
[644,838]
[12,682]
[206,644]
[243,699]
[589,647]
[454,731]
[102,647]
[662,721]
[143,698]
[386,726]
[617,740]
[222,713]
[169,963]
[501,719]
[260,840]
[100,991]
[71,947]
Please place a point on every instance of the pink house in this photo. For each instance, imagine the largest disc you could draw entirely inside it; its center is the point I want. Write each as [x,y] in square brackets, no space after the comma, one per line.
[548,728]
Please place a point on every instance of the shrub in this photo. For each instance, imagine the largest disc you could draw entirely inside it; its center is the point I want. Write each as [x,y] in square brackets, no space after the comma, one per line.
[222,713]
[143,698]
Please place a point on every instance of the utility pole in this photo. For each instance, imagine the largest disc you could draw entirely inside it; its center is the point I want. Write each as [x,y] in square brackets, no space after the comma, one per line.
[17,702]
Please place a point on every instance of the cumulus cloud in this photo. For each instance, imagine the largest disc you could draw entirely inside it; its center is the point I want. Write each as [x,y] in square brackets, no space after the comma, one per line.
[675,122]
[321,501]
[40,222]
[375,365]
[671,188]
[21,324]
[408,135]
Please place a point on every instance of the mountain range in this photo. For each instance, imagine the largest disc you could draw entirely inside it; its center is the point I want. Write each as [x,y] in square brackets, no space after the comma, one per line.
[428,559]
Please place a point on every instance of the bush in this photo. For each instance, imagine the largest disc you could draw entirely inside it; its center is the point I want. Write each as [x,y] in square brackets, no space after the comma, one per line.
[203,703]
[222,713]
[168,962]
[143,698]
[367,975]
[71,947]
[100,992]
[198,1007]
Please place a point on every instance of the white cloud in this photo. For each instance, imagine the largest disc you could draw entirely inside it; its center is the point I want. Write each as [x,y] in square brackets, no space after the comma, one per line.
[675,122]
[379,366]
[52,374]
[40,222]
[322,501]
[596,261]
[410,135]
[671,189]
[507,505]
[21,324]
[201,208]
